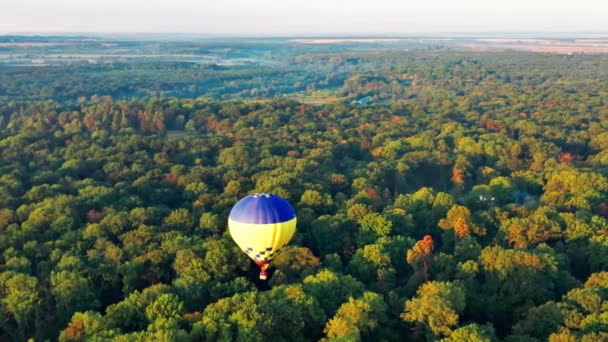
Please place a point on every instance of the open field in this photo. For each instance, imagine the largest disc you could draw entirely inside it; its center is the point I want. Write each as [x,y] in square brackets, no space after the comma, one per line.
[33,44]
[313,100]
[540,45]
[345,40]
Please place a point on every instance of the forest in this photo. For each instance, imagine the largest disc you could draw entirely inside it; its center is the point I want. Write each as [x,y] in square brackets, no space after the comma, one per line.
[467,202]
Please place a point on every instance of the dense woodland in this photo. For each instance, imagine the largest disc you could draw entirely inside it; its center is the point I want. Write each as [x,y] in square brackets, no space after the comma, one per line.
[468,203]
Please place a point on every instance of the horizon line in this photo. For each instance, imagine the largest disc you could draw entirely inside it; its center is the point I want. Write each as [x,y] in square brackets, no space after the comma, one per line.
[303,34]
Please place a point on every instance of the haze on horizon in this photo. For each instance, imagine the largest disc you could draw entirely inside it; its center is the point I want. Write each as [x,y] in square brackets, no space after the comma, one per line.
[303,17]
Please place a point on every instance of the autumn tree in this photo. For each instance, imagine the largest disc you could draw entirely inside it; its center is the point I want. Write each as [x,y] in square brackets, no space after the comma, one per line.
[357,319]
[419,256]
[437,307]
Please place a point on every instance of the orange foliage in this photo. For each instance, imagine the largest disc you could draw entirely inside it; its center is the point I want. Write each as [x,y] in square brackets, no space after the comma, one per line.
[458,176]
[551,103]
[421,248]
[29,122]
[461,228]
[372,193]
[337,178]
[365,145]
[489,124]
[532,261]
[427,244]
[93,215]
[171,178]
[419,255]
[566,158]
[74,331]
[377,152]
[143,119]
[365,127]
[90,123]
[217,126]
[293,153]
[5,217]
[193,317]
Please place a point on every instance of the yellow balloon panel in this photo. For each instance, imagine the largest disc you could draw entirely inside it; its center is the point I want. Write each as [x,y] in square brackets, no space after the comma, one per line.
[262,242]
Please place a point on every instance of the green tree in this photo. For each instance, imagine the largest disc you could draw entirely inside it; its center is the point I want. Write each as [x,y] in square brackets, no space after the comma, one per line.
[21,297]
[285,313]
[357,319]
[84,326]
[472,333]
[294,264]
[166,306]
[211,223]
[373,226]
[332,289]
[179,219]
[437,307]
[72,292]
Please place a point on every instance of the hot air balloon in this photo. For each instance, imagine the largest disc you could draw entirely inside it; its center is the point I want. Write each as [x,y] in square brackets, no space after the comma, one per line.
[261,225]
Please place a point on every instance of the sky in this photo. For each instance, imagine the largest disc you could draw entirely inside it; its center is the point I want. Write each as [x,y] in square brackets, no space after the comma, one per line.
[304,17]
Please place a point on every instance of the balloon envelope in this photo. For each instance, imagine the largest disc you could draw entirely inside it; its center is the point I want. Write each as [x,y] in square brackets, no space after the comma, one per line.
[262,224]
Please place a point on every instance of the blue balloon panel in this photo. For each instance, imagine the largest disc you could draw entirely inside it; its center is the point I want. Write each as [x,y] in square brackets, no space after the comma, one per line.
[262,209]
